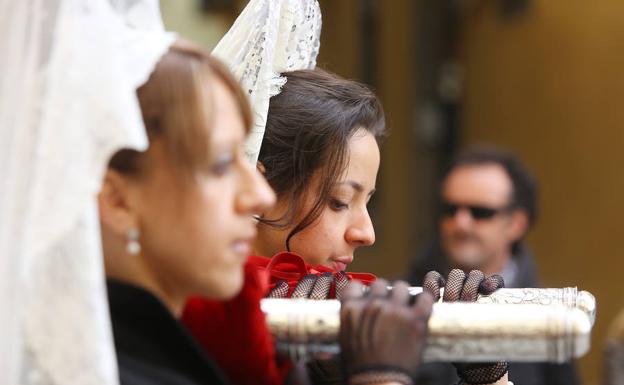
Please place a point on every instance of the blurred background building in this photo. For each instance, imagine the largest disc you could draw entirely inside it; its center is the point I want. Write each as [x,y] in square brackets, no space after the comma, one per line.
[544,79]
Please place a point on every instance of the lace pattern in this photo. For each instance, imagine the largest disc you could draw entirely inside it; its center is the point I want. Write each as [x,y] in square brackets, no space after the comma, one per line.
[270,37]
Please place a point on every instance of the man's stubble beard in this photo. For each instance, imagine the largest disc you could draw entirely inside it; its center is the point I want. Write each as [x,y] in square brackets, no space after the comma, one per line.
[473,259]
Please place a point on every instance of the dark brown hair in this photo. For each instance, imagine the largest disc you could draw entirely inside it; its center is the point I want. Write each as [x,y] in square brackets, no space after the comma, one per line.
[176,106]
[308,129]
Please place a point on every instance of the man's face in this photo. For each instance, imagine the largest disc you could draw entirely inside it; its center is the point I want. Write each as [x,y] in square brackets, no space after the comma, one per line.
[477,227]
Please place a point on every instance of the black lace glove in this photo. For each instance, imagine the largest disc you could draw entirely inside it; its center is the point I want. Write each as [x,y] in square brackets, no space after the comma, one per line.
[462,287]
[317,286]
[382,336]
[313,286]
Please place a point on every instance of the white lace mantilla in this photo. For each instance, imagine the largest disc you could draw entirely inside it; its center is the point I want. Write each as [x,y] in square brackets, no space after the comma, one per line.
[270,37]
[69,70]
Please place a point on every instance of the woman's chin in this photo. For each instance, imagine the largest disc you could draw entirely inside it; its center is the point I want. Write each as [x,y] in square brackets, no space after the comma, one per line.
[228,288]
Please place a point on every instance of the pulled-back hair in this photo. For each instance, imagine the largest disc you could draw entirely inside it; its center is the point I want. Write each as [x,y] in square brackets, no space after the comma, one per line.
[176,106]
[308,129]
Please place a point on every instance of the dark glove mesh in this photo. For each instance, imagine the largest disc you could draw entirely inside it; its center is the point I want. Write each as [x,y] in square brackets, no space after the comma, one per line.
[321,286]
[491,284]
[304,287]
[454,285]
[487,373]
[341,283]
[462,287]
[312,286]
[470,291]
[279,291]
[432,284]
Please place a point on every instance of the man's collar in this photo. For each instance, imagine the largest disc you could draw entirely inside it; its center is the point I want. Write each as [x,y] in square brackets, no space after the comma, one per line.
[510,272]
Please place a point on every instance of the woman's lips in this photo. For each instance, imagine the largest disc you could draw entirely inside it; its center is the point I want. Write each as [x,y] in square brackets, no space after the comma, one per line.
[341,263]
[242,247]
[339,266]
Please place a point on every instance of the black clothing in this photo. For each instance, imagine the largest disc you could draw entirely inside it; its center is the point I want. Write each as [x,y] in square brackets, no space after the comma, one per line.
[519,373]
[152,347]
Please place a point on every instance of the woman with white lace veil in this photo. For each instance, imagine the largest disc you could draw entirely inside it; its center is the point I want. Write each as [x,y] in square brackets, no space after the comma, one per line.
[316,141]
[174,211]
[69,102]
[318,119]
[315,134]
[68,75]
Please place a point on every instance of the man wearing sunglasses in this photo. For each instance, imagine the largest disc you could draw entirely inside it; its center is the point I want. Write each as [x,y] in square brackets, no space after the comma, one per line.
[486,209]
[488,202]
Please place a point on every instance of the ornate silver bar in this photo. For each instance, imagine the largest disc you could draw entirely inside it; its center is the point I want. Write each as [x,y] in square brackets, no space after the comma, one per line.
[567,296]
[458,332]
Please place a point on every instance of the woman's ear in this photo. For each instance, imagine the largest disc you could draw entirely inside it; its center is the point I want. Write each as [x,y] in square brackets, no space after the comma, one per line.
[115,200]
[260,167]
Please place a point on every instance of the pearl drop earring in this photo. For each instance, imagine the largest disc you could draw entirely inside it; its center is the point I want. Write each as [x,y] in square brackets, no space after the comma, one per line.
[133,247]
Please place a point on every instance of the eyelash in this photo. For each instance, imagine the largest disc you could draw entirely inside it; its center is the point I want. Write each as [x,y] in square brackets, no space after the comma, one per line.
[338,205]
[222,166]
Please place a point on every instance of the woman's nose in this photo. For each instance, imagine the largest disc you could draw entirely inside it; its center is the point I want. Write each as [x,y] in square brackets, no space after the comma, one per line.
[361,232]
[256,195]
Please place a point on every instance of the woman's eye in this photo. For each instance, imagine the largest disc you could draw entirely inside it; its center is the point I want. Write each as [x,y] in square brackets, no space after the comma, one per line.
[337,204]
[222,166]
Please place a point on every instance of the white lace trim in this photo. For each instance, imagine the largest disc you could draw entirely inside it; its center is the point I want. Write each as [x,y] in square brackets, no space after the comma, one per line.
[270,37]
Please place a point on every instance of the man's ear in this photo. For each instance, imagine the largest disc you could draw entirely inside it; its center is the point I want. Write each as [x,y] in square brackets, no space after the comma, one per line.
[115,203]
[260,167]
[519,224]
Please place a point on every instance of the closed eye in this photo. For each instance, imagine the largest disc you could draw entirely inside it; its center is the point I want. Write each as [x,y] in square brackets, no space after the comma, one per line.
[338,205]
[222,165]
[370,196]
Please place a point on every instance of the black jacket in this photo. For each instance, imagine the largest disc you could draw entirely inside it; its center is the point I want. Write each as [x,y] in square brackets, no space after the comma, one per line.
[519,373]
[152,346]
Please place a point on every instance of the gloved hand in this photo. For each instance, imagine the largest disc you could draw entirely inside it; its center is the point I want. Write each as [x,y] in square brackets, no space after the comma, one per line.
[382,336]
[316,286]
[313,286]
[466,288]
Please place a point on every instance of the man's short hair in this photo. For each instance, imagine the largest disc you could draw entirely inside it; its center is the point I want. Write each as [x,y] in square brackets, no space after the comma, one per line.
[524,185]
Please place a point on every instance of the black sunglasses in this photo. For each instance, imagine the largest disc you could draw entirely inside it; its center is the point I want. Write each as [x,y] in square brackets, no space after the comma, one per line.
[476,212]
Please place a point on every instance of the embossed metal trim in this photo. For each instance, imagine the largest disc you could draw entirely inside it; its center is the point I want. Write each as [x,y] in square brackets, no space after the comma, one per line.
[458,332]
[567,296]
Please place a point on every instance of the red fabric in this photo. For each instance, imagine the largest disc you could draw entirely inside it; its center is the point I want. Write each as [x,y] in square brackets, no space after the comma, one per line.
[290,267]
[235,335]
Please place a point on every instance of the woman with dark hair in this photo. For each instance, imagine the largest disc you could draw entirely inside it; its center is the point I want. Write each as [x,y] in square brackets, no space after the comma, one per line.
[320,154]
[178,220]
